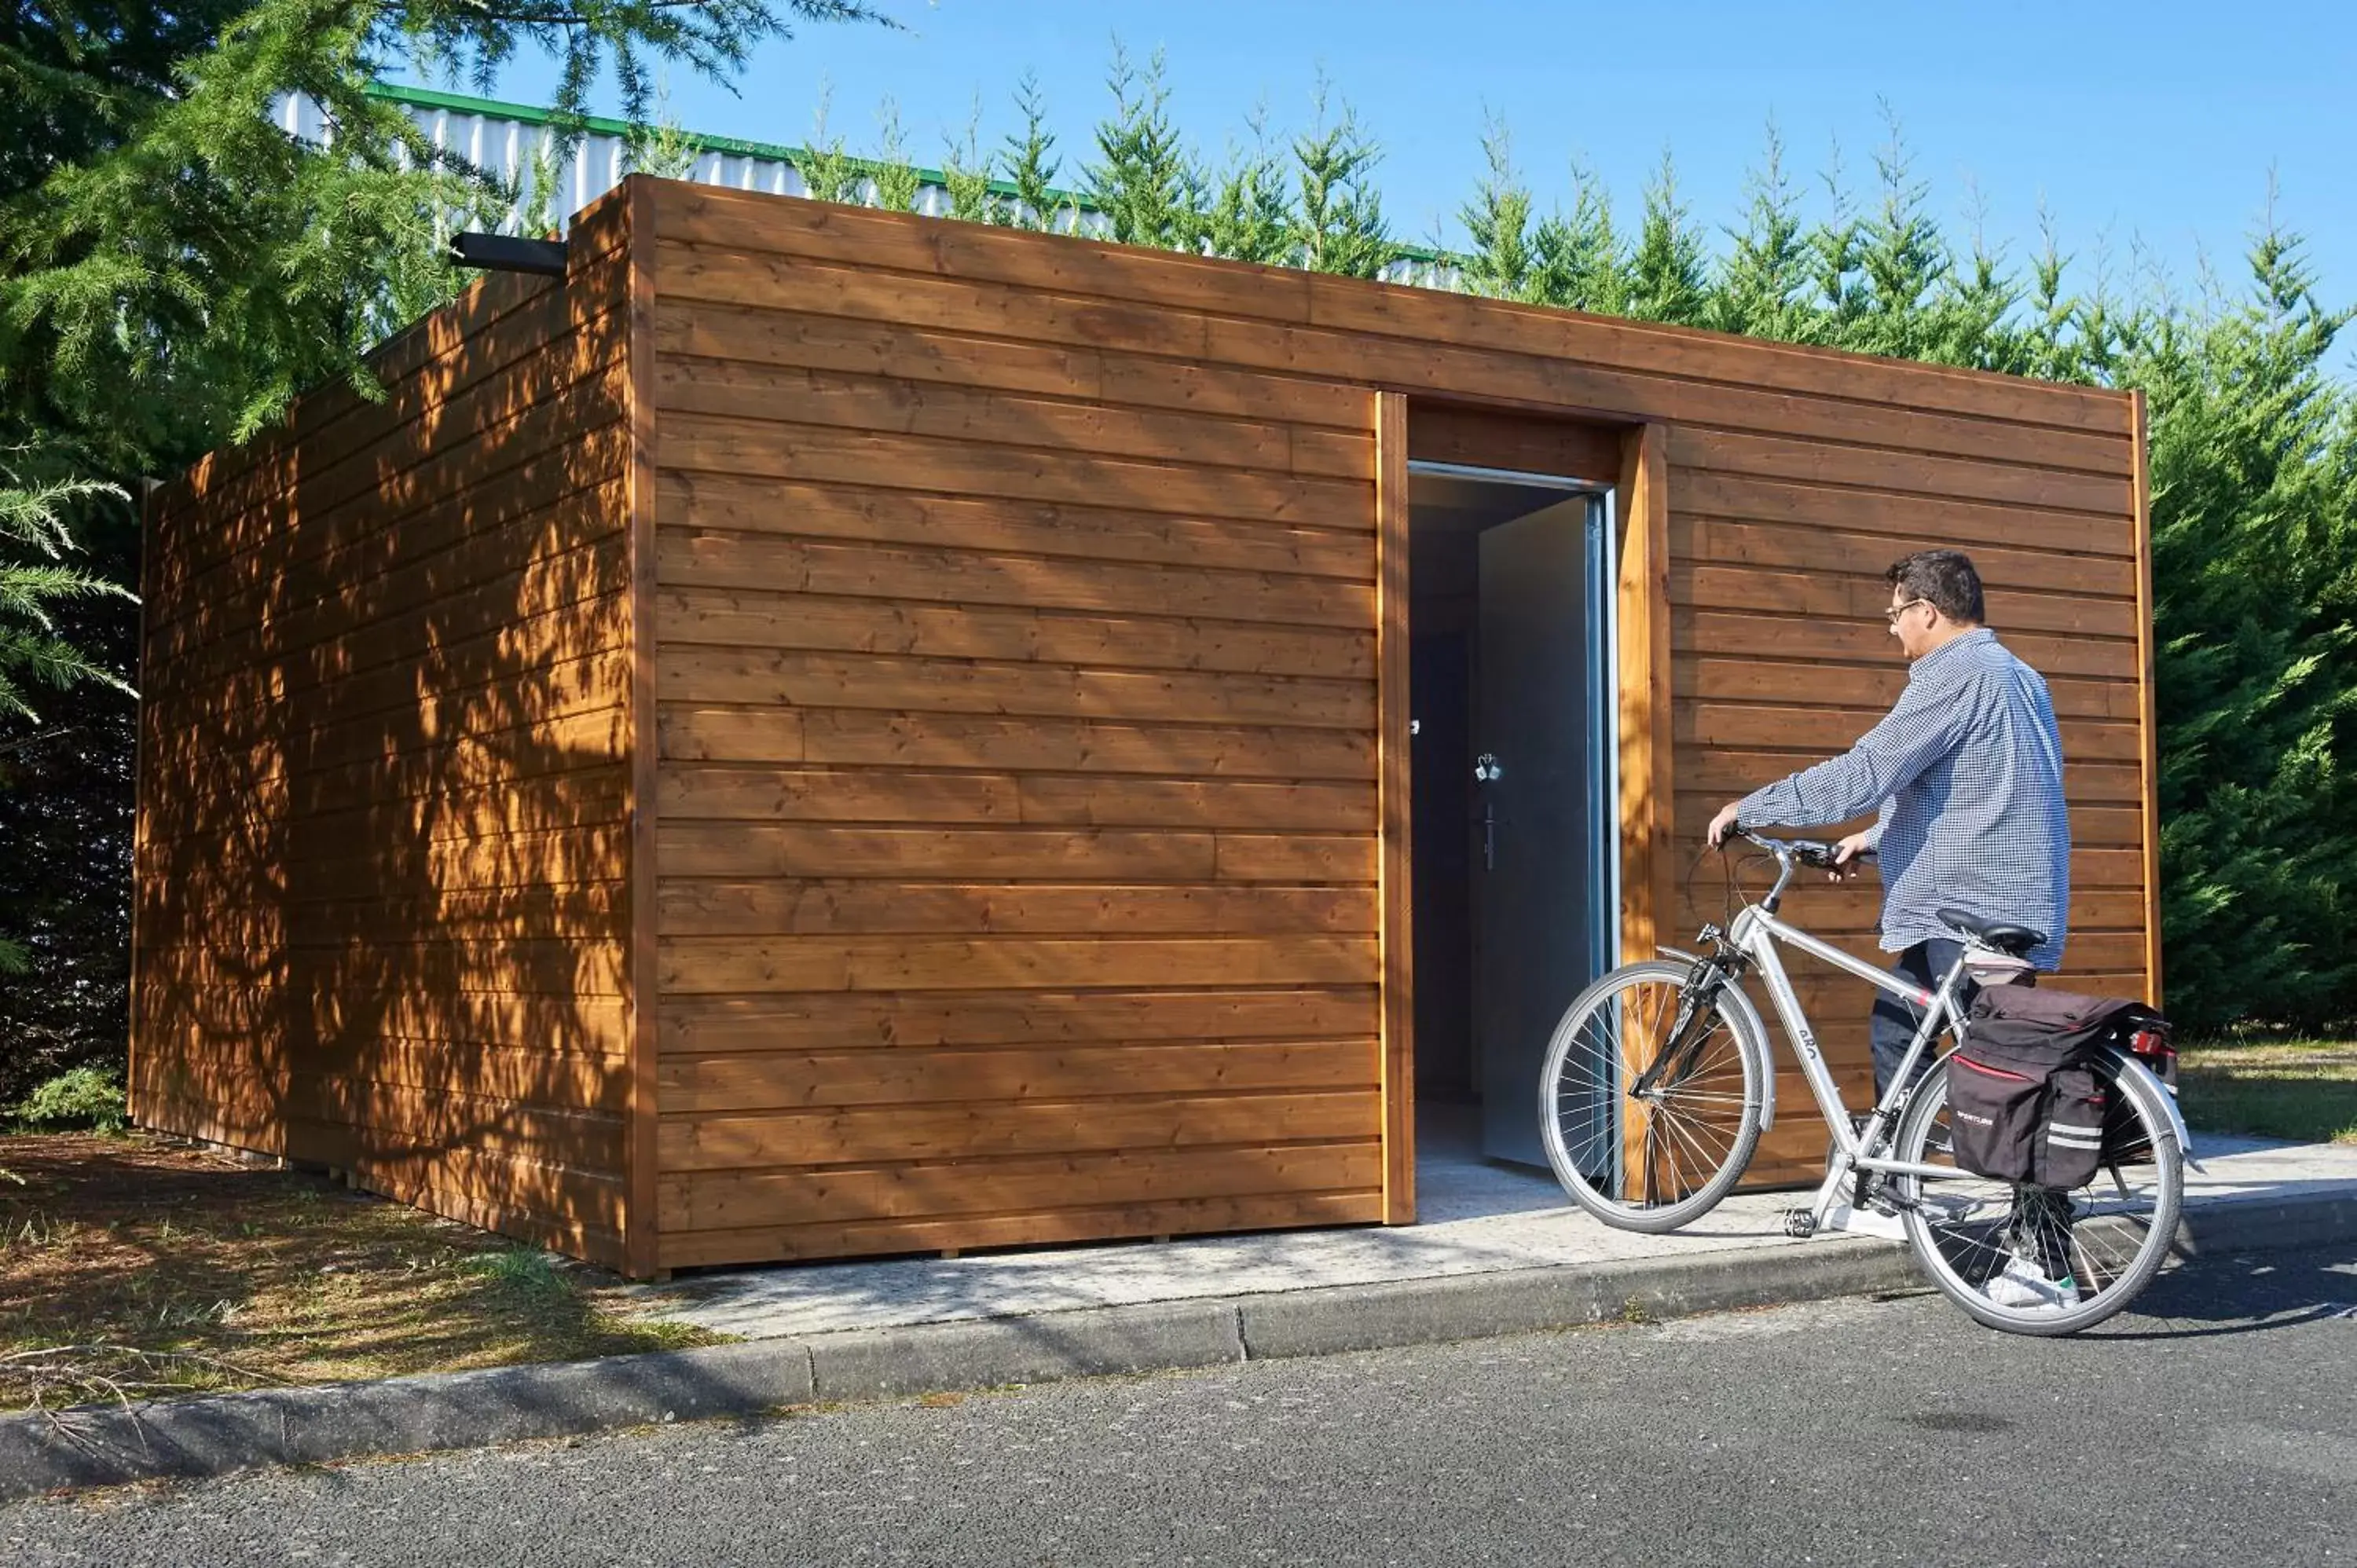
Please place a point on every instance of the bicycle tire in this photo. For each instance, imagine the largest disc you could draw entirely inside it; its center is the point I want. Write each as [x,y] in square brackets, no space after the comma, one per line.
[1964,1230]
[1696,1135]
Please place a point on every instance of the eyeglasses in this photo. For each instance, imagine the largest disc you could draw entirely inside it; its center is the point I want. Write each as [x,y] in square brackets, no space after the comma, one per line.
[1894,611]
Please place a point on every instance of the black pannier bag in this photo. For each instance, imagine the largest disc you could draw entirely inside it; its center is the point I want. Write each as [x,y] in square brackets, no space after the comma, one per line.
[2024,1103]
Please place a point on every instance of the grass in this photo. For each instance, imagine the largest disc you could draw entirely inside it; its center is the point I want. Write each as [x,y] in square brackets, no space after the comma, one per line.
[196,1272]
[2301,1090]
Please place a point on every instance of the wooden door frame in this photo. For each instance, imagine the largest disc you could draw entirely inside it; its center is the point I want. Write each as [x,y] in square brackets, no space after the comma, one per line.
[2147,717]
[1648,797]
[1641,606]
[1395,860]
[1648,793]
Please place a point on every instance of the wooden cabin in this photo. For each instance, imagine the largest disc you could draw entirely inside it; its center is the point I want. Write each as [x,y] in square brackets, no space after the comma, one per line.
[825,732]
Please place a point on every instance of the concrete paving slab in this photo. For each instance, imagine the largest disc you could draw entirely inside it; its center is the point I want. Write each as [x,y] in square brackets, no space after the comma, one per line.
[1478,1218]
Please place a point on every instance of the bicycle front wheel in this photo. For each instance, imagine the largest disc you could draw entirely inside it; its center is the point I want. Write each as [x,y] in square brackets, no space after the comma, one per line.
[2044,1260]
[1649,1103]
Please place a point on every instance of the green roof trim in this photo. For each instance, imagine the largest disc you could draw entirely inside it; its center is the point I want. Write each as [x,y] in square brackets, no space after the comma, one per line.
[727,146]
[732,146]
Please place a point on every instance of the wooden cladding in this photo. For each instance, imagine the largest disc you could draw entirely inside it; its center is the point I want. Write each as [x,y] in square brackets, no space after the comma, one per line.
[1029,681]
[833,731]
[382,904]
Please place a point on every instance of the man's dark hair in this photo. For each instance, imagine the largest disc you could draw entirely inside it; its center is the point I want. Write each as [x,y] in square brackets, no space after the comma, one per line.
[1944,577]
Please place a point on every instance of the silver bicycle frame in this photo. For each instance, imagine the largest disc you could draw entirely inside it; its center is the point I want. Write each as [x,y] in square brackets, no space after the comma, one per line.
[1755,932]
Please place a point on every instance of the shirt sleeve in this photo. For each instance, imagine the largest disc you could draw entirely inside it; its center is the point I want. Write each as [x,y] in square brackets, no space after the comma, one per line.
[1914,734]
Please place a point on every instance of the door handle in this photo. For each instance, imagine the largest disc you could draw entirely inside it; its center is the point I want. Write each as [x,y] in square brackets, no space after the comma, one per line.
[1486,772]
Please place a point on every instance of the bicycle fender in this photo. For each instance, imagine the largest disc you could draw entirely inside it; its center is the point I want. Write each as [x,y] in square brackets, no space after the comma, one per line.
[1742,1005]
[2129,1063]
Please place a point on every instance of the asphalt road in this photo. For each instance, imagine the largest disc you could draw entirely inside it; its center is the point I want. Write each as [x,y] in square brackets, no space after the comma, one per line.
[2218,1427]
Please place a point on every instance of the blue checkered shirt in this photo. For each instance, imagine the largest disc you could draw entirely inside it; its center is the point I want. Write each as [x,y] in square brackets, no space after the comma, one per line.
[1967,770]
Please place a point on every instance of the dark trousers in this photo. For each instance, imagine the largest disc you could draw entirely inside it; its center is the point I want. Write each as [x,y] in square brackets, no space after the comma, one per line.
[1896,1019]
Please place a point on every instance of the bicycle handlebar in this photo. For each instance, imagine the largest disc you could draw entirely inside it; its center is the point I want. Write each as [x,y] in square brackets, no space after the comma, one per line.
[1806,852]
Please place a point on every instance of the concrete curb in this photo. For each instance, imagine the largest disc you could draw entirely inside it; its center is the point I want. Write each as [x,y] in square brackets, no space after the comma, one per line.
[184,1439]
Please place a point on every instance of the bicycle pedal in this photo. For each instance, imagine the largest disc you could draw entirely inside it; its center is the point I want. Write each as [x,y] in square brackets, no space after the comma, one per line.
[1799,1222]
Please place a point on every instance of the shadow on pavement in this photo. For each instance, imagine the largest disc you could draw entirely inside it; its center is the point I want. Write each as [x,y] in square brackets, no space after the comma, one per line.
[2218,1294]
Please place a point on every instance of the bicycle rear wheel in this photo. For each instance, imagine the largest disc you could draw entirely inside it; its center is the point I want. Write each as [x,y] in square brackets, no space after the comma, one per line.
[2041,1260]
[1651,1157]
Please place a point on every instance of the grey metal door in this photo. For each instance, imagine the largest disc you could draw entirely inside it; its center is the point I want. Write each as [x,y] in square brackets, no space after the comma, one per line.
[1538,744]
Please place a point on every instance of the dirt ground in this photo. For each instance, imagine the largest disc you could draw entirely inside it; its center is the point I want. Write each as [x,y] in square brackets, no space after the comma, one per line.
[138,1265]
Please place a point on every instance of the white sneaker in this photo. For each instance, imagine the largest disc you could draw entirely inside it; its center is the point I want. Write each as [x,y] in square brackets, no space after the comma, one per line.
[2021,1284]
[1865,1222]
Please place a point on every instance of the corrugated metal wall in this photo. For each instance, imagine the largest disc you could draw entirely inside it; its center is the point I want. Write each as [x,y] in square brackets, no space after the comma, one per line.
[507,140]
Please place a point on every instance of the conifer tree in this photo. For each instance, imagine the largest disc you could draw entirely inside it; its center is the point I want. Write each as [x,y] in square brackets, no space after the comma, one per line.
[1145,182]
[895,179]
[1837,295]
[661,146]
[829,173]
[174,266]
[35,578]
[1666,274]
[1031,169]
[967,173]
[2255,569]
[1578,261]
[1974,311]
[1248,218]
[1338,214]
[543,184]
[1902,262]
[1766,269]
[1497,221]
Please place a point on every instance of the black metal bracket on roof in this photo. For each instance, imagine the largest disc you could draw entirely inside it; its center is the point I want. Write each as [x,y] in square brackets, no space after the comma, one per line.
[507,254]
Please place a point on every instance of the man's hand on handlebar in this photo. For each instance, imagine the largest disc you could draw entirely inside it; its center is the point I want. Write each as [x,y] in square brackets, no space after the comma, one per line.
[1850,853]
[1840,861]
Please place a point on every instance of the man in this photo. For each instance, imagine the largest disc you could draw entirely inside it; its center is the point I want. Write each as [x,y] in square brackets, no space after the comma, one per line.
[1967,773]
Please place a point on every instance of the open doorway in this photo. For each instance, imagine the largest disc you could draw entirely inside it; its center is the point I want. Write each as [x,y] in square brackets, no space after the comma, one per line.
[1514,817]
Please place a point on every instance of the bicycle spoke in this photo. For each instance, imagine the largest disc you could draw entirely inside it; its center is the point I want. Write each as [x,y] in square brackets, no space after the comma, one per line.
[2036,1260]
[1633,1154]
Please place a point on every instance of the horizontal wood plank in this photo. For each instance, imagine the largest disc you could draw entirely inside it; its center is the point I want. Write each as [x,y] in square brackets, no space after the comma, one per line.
[1760,625]
[841,737]
[769,336]
[957,412]
[840,1136]
[1173,1217]
[801,1079]
[686,558]
[1155,482]
[755,793]
[868,906]
[748,966]
[999,526]
[903,685]
[1013,854]
[1003,1017]
[717,1200]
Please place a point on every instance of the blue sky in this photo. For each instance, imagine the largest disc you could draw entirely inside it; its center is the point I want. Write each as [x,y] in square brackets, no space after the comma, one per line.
[2152,124]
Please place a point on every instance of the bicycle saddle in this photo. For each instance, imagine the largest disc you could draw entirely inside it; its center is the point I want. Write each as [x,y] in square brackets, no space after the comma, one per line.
[2014,939]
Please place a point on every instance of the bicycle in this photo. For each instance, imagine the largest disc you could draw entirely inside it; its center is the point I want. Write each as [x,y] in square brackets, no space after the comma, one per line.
[1658,1084]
